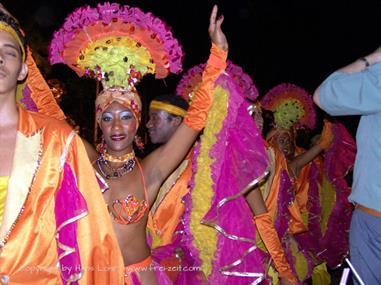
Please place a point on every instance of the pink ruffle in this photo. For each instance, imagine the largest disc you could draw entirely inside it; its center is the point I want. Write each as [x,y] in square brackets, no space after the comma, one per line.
[240,157]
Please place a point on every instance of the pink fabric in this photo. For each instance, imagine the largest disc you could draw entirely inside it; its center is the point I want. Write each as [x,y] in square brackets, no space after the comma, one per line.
[338,161]
[69,204]
[27,100]
[240,157]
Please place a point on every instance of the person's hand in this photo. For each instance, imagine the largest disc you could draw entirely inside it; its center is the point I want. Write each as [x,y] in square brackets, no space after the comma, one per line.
[215,32]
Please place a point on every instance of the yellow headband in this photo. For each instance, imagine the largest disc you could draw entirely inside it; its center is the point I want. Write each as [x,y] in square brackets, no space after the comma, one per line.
[177,111]
[8,29]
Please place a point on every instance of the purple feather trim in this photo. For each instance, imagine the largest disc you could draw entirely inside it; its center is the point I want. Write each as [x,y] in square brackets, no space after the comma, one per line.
[27,100]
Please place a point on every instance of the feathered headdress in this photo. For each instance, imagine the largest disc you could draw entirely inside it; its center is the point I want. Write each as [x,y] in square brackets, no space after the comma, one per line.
[116,45]
[292,106]
[190,81]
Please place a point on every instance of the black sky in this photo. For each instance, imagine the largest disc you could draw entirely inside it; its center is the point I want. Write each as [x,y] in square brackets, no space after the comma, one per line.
[274,41]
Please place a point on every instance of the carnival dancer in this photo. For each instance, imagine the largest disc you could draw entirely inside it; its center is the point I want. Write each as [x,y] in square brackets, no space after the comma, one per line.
[307,193]
[119,45]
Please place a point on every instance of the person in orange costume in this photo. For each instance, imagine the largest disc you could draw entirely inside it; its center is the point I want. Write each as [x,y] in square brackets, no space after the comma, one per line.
[54,226]
[306,194]
[165,115]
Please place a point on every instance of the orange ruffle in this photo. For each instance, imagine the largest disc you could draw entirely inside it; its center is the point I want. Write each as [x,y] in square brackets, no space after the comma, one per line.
[41,94]
[202,101]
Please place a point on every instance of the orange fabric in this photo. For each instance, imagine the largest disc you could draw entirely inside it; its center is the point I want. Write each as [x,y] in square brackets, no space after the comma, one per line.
[168,264]
[135,268]
[296,224]
[299,208]
[40,91]
[326,137]
[30,254]
[129,99]
[272,198]
[130,210]
[271,240]
[168,214]
[202,101]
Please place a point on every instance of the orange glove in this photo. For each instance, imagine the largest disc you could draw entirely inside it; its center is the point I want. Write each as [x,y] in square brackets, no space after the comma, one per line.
[202,101]
[265,227]
[326,137]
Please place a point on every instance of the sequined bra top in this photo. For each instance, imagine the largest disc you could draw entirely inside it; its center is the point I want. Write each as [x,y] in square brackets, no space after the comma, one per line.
[130,209]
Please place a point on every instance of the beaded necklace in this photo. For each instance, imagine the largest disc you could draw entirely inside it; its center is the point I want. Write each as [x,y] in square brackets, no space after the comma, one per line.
[113,173]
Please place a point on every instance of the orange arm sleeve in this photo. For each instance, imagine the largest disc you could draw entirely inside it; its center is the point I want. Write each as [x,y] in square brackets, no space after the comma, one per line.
[326,137]
[271,240]
[202,101]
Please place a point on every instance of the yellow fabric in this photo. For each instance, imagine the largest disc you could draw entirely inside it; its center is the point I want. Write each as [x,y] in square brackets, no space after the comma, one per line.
[273,274]
[320,275]
[327,197]
[202,101]
[205,238]
[270,238]
[177,111]
[300,262]
[31,244]
[3,194]
[8,29]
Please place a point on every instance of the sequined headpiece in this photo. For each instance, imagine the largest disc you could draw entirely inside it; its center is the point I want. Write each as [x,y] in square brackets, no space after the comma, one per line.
[116,45]
[292,106]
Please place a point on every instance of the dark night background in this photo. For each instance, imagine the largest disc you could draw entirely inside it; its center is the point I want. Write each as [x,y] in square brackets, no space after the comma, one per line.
[274,41]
